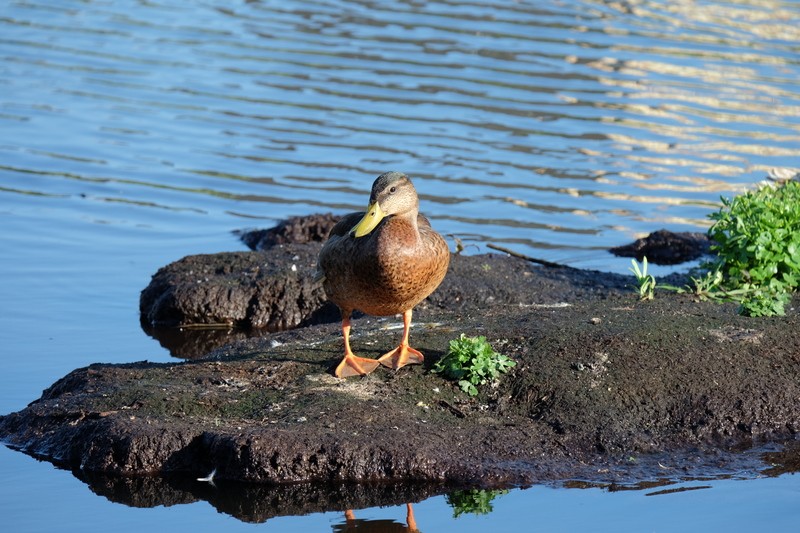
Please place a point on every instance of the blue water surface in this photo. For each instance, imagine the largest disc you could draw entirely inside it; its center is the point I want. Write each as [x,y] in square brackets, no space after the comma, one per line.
[135,133]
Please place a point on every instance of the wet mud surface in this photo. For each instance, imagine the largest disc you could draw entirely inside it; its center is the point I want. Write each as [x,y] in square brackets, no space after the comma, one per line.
[607,389]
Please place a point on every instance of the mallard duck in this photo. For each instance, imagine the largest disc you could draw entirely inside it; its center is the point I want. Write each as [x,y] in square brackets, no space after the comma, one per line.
[383,262]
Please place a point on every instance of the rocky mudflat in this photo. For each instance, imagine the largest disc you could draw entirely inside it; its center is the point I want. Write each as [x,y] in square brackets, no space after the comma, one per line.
[606,388]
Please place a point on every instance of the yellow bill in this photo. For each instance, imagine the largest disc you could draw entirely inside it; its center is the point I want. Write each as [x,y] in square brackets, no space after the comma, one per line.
[371,219]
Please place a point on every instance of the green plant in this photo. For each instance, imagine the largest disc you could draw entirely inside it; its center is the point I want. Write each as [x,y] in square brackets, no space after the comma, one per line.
[472,361]
[473,501]
[645,283]
[764,301]
[756,238]
[757,241]
[706,287]
[753,300]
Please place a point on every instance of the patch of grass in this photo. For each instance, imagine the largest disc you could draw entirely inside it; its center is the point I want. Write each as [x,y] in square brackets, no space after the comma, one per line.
[477,502]
[472,362]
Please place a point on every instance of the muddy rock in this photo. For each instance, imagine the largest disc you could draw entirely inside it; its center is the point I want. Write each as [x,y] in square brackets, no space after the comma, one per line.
[596,383]
[665,247]
[273,289]
[297,230]
[606,389]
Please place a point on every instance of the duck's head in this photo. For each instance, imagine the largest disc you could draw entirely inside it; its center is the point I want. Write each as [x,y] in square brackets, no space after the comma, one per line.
[392,194]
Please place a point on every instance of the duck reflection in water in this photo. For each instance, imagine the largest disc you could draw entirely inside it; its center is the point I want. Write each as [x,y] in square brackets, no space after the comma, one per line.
[377,526]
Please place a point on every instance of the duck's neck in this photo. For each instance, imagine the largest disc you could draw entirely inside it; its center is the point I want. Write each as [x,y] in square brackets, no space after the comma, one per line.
[411,217]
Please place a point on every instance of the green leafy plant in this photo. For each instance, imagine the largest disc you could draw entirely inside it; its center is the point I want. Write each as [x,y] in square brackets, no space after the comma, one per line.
[757,241]
[756,238]
[472,361]
[473,501]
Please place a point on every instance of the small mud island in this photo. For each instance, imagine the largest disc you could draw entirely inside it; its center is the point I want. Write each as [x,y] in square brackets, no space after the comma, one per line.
[606,388]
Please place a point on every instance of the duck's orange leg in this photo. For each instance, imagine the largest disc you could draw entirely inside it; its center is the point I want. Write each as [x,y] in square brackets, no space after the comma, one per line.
[404,354]
[351,364]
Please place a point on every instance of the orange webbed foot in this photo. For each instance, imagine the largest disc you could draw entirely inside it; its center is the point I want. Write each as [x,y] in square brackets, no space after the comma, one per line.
[401,356]
[353,365]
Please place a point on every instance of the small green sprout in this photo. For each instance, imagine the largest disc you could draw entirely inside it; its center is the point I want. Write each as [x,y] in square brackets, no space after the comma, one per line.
[645,283]
[472,361]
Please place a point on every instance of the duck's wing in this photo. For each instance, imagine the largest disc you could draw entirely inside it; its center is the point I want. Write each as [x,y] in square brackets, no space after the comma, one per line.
[333,245]
[422,220]
[347,222]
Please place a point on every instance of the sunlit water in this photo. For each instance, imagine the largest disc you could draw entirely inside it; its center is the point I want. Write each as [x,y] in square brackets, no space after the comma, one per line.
[132,134]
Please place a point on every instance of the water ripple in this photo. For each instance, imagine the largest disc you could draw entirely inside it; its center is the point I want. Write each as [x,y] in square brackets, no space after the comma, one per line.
[535,124]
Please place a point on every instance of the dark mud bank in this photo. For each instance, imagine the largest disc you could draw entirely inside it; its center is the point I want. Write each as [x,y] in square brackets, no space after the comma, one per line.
[605,387]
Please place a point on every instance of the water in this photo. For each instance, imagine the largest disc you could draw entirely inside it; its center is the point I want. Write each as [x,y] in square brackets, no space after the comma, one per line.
[132,134]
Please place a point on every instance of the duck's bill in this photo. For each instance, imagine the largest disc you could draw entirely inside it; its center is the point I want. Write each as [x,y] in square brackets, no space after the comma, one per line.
[371,219]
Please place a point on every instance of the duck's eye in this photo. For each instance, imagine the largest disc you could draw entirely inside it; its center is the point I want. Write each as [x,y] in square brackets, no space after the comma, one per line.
[392,190]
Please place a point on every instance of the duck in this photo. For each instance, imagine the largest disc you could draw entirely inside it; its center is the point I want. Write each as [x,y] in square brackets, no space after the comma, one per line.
[383,262]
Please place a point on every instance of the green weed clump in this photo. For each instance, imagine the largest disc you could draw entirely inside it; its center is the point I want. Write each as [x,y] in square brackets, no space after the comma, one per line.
[757,241]
[472,362]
